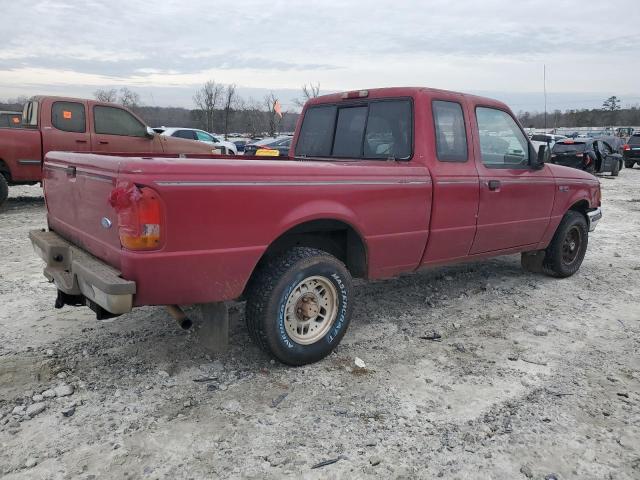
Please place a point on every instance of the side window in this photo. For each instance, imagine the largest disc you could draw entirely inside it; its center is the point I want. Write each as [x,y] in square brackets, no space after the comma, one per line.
[502,143]
[451,135]
[316,133]
[349,132]
[388,130]
[606,148]
[68,117]
[202,136]
[188,134]
[116,121]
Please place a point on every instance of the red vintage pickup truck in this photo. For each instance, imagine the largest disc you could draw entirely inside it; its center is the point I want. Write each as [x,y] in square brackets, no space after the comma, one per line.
[72,124]
[377,183]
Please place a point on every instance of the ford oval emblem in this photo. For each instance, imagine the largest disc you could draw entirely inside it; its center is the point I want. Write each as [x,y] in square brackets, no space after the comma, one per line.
[105,222]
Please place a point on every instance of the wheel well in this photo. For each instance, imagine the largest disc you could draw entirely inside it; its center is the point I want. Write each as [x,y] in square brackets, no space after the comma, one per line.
[582,206]
[332,236]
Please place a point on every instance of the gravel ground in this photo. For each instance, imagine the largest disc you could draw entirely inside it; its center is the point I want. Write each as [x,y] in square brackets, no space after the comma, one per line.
[532,377]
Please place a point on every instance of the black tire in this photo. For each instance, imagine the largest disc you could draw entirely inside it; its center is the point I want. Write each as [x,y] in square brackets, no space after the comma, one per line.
[565,253]
[4,189]
[270,290]
[615,170]
[629,163]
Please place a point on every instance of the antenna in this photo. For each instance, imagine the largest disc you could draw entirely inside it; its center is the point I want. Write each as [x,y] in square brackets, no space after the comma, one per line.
[544,87]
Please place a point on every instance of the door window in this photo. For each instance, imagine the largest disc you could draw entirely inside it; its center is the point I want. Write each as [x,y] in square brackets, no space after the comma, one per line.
[68,117]
[451,135]
[502,143]
[116,121]
[188,134]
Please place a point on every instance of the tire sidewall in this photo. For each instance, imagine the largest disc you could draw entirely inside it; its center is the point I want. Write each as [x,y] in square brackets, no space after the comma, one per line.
[556,263]
[280,343]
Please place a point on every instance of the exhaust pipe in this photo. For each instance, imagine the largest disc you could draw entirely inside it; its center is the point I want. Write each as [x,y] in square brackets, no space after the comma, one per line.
[179,316]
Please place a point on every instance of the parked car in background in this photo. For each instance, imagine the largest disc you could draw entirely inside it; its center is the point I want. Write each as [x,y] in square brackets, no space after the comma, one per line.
[240,144]
[226,148]
[631,151]
[75,125]
[10,119]
[279,144]
[589,154]
[548,139]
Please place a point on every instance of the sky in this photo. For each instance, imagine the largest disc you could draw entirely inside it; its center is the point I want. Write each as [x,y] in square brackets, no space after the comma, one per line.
[166,50]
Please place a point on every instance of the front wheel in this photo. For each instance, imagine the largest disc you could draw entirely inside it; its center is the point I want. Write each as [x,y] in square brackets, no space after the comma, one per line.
[299,305]
[567,249]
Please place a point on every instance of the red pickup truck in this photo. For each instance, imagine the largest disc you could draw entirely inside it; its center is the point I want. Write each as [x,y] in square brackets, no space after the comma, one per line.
[377,183]
[72,124]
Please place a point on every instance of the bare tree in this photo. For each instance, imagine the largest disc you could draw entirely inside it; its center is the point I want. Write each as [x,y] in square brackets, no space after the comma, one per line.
[104,95]
[229,103]
[207,99]
[129,98]
[274,119]
[308,92]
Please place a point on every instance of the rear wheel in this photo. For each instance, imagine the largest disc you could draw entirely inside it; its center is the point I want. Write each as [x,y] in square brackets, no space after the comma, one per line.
[567,249]
[629,163]
[299,305]
[4,189]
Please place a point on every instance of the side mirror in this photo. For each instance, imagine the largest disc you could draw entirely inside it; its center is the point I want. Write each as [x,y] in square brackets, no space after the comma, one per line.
[150,133]
[542,157]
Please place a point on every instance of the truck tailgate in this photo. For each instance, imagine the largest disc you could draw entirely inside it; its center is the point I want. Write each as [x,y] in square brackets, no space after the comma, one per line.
[77,188]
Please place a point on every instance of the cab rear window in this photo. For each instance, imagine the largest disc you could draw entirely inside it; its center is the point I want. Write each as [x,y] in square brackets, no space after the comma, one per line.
[368,130]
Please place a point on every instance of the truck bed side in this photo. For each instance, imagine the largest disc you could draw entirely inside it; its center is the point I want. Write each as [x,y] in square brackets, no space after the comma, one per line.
[221,215]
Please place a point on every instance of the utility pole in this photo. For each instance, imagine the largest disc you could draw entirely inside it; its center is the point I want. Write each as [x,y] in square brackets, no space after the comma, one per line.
[544,87]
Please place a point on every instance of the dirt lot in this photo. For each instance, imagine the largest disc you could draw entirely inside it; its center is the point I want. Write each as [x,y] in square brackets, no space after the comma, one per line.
[532,377]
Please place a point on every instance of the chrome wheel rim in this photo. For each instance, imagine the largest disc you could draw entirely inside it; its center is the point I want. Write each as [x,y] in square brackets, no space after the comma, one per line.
[311,310]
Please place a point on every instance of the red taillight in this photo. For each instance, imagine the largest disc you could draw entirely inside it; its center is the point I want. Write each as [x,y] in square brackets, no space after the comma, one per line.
[139,213]
[626,147]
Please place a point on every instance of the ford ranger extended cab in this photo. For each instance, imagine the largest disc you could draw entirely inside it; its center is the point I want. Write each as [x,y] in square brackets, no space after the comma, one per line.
[71,124]
[377,183]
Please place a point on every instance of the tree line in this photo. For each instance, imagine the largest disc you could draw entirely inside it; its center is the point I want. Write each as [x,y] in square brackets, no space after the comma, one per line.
[609,114]
[218,109]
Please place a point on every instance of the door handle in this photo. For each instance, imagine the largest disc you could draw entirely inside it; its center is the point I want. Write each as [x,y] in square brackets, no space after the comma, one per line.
[102,142]
[81,141]
[71,171]
[493,185]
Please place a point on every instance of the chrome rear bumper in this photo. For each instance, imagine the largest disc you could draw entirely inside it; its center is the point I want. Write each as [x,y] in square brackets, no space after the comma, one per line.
[75,272]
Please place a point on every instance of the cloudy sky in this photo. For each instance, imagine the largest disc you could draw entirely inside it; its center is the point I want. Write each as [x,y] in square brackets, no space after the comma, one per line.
[164,50]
